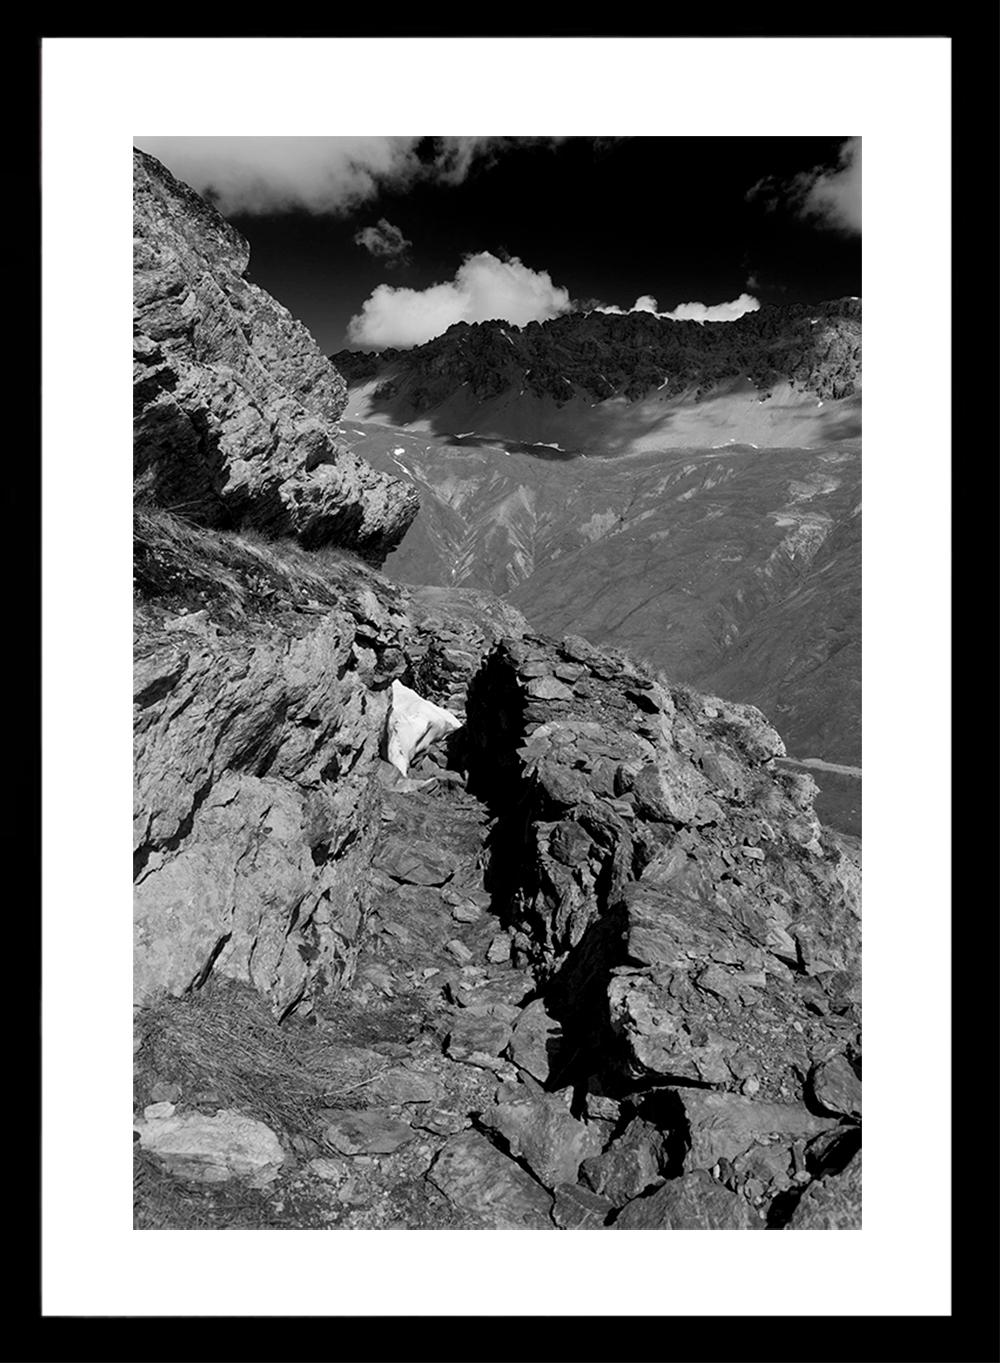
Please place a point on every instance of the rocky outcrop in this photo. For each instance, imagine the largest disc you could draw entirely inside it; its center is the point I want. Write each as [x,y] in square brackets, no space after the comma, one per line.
[261,693]
[692,922]
[235,408]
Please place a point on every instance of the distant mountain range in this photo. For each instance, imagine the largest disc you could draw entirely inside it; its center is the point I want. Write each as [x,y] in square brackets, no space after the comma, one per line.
[815,348]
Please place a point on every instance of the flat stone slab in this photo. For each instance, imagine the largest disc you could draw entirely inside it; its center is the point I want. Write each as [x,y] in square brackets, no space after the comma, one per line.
[215,1149]
[476,1178]
[365,1132]
[724,1125]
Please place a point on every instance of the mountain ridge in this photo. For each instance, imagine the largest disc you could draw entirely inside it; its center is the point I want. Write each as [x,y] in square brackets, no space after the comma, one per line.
[814,347]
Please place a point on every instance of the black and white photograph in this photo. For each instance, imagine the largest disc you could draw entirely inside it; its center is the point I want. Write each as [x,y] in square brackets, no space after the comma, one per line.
[497,684]
[502,653]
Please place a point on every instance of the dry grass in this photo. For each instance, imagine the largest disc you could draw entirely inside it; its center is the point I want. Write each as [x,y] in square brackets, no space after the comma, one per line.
[242,576]
[225,1043]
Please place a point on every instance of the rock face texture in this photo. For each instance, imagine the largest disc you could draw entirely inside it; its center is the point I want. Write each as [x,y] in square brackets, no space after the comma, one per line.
[592,962]
[234,405]
[261,695]
[691,919]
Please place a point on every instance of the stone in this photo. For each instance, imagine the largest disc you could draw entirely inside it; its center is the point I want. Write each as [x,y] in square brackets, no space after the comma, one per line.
[478,1038]
[692,1202]
[157,1110]
[404,1086]
[629,1166]
[548,688]
[724,1125]
[235,406]
[458,950]
[202,1149]
[535,1042]
[836,1087]
[831,1203]
[365,1132]
[482,1182]
[499,948]
[540,1130]
[441,1121]
[421,864]
[576,1208]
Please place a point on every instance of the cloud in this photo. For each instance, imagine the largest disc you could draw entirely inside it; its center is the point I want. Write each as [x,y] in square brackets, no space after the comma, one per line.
[692,312]
[484,288]
[384,241]
[830,198]
[318,174]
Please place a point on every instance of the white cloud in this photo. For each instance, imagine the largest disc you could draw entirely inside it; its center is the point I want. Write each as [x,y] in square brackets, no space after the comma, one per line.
[834,197]
[484,288]
[830,198]
[384,241]
[317,174]
[692,312]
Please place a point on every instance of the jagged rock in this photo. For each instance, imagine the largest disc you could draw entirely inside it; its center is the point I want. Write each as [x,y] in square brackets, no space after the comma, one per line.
[235,406]
[415,865]
[831,1203]
[836,1087]
[535,1042]
[365,1132]
[215,1149]
[692,1202]
[478,1038]
[724,1125]
[577,1208]
[705,989]
[540,1130]
[629,1166]
[252,843]
[479,1180]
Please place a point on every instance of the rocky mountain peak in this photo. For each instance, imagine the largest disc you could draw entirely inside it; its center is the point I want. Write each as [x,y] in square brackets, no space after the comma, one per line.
[235,406]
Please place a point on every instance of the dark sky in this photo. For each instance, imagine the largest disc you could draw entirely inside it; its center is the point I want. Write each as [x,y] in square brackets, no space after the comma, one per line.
[608,220]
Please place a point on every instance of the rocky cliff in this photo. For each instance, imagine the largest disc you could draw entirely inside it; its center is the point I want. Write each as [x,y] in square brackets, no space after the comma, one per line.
[593,963]
[235,406]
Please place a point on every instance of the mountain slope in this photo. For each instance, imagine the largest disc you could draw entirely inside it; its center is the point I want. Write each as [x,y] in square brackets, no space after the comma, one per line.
[604,384]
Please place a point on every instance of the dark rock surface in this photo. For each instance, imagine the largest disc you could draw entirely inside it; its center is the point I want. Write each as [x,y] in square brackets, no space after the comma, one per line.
[235,406]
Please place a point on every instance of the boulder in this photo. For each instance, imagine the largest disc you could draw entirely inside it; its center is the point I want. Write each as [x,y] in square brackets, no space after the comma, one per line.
[202,1149]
